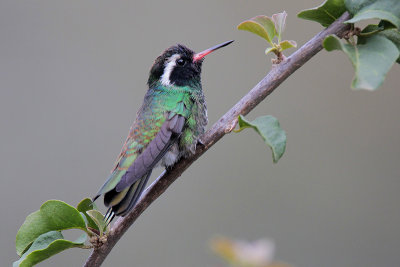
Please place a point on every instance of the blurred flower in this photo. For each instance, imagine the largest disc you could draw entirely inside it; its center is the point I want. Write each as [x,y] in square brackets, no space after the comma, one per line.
[258,253]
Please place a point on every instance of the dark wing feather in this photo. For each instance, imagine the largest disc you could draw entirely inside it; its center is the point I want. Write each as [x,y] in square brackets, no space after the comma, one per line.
[154,152]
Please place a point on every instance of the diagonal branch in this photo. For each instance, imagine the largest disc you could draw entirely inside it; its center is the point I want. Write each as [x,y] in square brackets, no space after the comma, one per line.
[223,126]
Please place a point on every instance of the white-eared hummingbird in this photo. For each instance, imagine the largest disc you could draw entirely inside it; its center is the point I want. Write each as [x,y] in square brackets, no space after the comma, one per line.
[167,126]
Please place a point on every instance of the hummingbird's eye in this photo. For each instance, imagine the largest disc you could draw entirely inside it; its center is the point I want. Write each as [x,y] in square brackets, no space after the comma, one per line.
[181,62]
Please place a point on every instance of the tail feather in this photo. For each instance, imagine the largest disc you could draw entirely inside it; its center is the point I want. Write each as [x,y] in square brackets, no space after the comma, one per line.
[138,193]
[113,198]
[109,216]
[120,203]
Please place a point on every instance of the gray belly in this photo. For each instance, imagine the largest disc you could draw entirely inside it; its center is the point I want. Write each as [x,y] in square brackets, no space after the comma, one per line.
[171,156]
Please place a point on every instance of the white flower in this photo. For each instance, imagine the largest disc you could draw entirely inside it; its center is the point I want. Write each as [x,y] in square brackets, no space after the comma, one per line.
[257,253]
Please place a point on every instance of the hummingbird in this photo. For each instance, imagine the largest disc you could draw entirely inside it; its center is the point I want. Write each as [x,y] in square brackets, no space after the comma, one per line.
[167,126]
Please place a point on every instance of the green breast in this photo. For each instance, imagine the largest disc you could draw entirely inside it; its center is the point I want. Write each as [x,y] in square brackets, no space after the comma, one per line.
[189,102]
[158,103]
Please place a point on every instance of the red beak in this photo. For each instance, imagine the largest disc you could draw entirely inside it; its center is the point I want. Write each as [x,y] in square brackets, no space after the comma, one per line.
[204,53]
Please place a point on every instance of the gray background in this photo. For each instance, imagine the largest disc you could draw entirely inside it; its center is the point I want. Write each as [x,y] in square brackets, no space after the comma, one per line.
[73,74]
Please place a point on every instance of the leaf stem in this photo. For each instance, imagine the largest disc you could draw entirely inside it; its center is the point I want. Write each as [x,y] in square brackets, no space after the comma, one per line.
[85,246]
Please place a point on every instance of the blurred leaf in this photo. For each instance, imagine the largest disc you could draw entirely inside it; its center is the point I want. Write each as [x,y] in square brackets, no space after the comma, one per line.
[269,129]
[262,25]
[287,44]
[279,20]
[326,13]
[371,29]
[54,215]
[371,60]
[388,10]
[45,246]
[271,50]
[98,218]
[390,33]
[84,206]
[394,36]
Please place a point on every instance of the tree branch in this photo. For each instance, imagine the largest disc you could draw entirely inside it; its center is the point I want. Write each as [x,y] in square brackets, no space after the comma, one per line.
[223,126]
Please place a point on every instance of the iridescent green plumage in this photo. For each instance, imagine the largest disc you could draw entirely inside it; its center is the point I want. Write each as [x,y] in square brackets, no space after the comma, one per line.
[159,102]
[167,127]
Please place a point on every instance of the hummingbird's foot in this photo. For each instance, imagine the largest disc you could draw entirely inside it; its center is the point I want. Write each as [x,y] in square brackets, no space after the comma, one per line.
[200,142]
[98,241]
[168,168]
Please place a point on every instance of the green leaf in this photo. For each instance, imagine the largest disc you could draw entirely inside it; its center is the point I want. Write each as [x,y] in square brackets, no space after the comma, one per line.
[84,206]
[388,10]
[45,246]
[262,25]
[271,50]
[390,33]
[54,215]
[269,129]
[98,218]
[287,44]
[386,25]
[394,36]
[267,23]
[371,60]
[371,29]
[279,20]
[326,13]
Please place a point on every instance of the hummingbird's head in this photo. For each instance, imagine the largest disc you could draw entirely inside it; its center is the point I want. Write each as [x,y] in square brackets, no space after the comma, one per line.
[179,65]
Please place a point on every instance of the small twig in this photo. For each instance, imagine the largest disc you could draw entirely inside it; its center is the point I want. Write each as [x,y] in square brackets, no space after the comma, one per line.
[265,87]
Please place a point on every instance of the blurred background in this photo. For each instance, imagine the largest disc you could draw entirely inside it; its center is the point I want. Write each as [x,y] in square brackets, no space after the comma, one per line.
[73,74]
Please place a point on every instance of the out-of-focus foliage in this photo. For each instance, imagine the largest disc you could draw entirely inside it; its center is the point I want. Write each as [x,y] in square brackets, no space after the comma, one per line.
[239,253]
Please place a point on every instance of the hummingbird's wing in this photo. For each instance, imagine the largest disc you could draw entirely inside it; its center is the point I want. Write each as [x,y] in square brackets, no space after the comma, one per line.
[154,152]
[125,193]
[132,167]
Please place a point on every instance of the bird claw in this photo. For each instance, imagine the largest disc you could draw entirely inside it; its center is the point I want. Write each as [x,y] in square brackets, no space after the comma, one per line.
[200,142]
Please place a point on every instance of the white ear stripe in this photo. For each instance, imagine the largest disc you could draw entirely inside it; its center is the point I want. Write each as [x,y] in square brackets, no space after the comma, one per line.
[169,67]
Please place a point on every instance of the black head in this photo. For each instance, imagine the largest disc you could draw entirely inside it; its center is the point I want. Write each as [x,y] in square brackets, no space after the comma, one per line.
[179,65]
[175,66]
